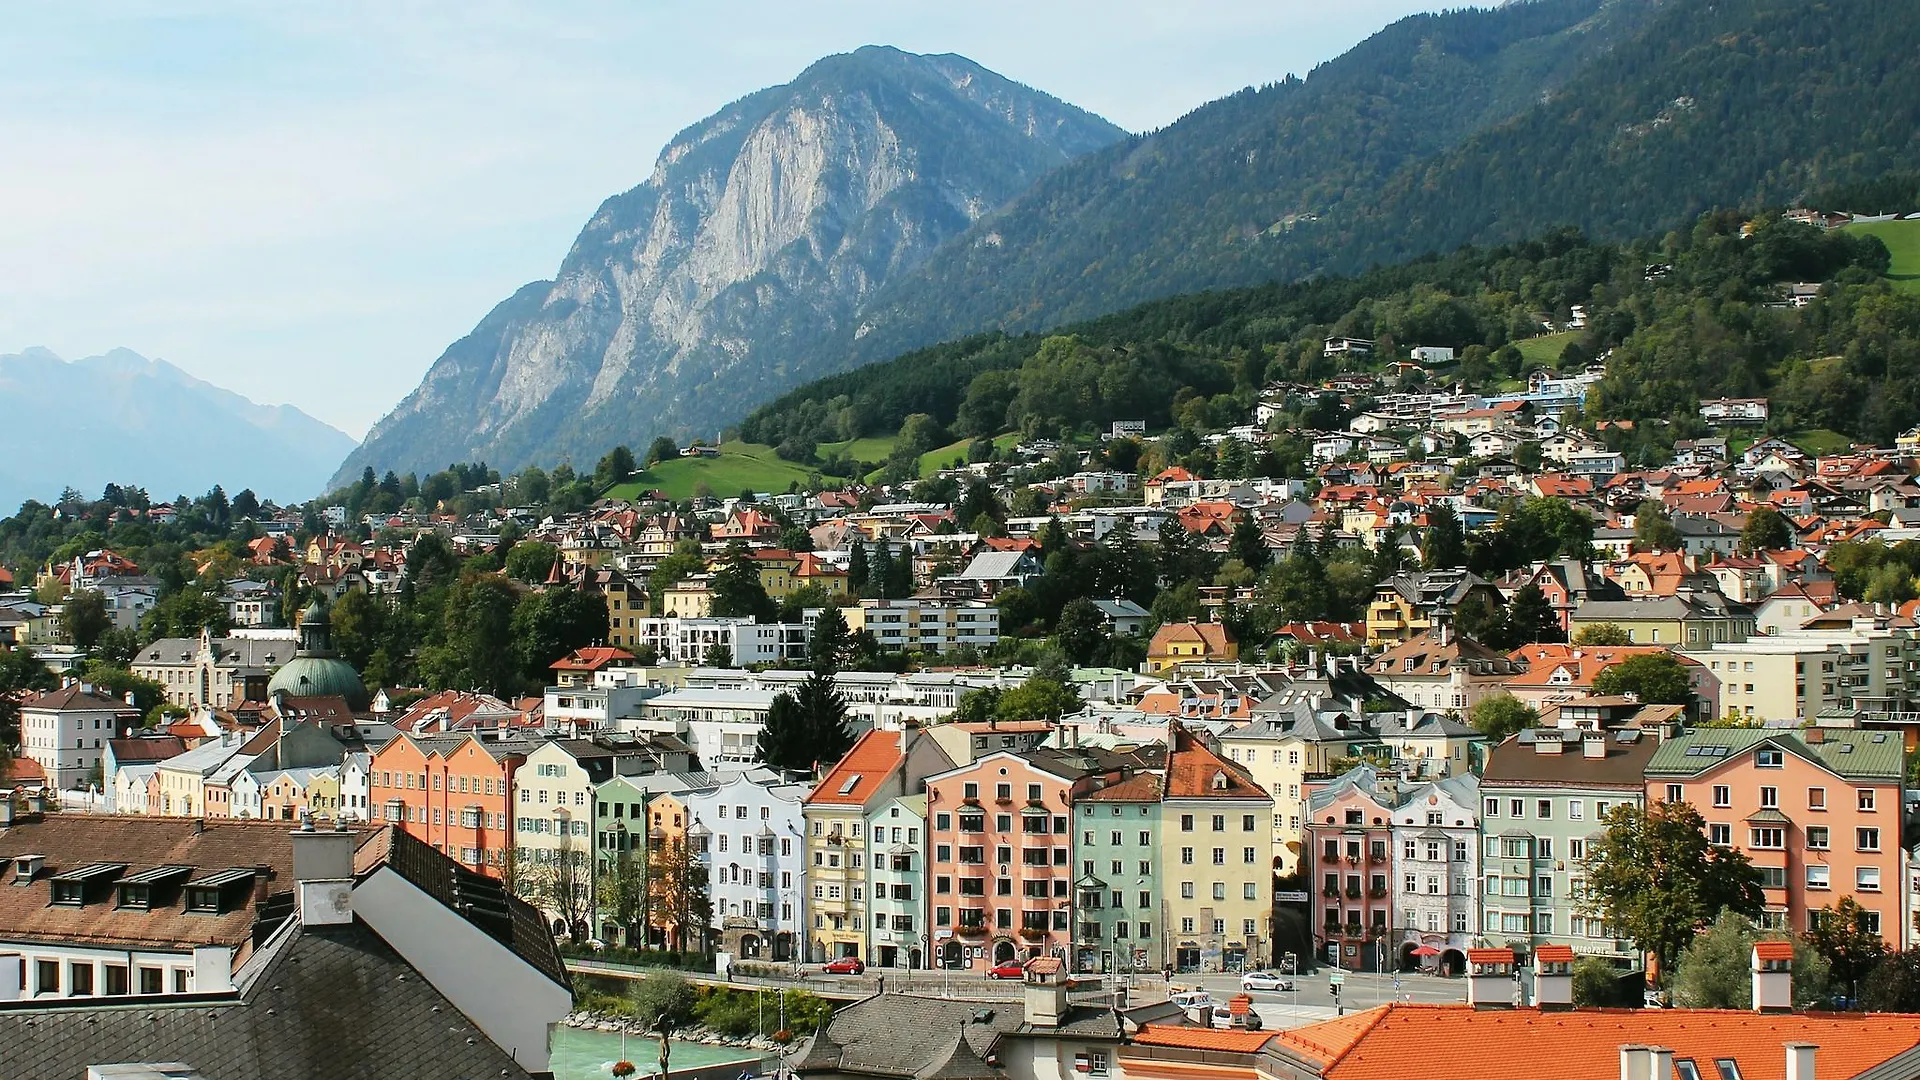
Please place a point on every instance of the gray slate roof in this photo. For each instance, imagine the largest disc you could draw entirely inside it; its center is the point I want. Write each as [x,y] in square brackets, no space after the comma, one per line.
[333,1001]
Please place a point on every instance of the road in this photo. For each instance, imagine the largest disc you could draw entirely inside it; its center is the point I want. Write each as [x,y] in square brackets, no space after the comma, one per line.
[1311,999]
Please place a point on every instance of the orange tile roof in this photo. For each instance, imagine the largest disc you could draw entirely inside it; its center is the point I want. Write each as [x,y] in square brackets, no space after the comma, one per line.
[1773,950]
[591,658]
[1199,1038]
[1450,1041]
[1490,956]
[861,772]
[1554,954]
[1192,770]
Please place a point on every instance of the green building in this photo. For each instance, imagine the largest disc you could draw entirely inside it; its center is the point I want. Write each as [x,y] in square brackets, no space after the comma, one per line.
[1117,893]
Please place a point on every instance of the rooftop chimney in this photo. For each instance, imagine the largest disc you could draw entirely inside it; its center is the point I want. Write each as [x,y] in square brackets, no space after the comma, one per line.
[1547,742]
[1553,977]
[1491,979]
[323,873]
[1662,1063]
[1636,1062]
[1046,992]
[1594,745]
[1800,1060]
[1773,976]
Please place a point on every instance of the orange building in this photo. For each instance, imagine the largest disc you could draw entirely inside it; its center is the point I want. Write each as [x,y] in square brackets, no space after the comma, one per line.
[1817,811]
[454,792]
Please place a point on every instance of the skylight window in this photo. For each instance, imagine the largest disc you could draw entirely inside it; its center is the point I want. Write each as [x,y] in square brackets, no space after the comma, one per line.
[852,782]
[1729,1068]
[1685,1069]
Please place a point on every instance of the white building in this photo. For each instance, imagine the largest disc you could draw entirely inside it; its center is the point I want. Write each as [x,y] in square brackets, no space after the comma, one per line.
[66,732]
[722,726]
[1436,841]
[689,641]
[754,850]
[927,625]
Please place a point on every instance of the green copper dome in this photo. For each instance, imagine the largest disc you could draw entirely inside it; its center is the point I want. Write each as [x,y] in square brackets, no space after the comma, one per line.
[314,671]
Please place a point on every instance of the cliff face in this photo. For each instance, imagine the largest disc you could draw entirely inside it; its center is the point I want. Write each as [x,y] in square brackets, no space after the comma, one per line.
[710,287]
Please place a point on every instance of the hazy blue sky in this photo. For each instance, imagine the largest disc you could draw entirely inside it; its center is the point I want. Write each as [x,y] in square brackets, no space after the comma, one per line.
[306,202]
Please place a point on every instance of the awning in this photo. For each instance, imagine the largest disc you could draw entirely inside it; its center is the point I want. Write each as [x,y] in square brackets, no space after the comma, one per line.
[1425,950]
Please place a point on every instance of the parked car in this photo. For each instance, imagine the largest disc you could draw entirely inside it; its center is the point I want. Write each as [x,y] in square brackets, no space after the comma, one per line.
[1246,1021]
[1265,980]
[845,965]
[1192,999]
[1007,970]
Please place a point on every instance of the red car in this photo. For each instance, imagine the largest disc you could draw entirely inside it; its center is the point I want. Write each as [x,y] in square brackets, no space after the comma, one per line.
[845,965]
[1007,970]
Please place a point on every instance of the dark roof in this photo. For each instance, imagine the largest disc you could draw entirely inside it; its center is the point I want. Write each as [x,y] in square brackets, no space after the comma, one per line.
[1516,762]
[327,1001]
[483,901]
[79,697]
[959,1063]
[899,1034]
[71,841]
[147,748]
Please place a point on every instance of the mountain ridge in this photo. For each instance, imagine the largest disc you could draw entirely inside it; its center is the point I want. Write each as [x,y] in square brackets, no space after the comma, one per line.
[149,423]
[765,222]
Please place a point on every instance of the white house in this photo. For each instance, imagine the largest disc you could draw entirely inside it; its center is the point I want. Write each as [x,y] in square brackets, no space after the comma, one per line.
[749,836]
[66,732]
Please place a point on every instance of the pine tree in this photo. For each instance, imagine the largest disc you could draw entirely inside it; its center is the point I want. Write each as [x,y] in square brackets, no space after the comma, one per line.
[784,741]
[829,644]
[879,569]
[1446,542]
[1249,545]
[857,567]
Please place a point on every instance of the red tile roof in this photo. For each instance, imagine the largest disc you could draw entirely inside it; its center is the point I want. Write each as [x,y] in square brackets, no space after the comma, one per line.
[857,776]
[1455,1041]
[1773,950]
[592,658]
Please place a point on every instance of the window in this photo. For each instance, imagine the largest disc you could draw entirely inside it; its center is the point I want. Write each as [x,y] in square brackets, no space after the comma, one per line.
[1685,1069]
[1493,808]
[1219,890]
[80,978]
[1247,856]
[151,980]
[1543,809]
[1186,856]
[1516,808]
[1249,891]
[1219,856]
[1720,834]
[47,977]
[1772,877]
[1246,822]
[1865,795]
[1186,890]
[1186,822]
[1769,837]
[116,980]
[1576,849]
[1867,879]
[1819,876]
[1818,837]
[1576,809]
[1722,795]
[1769,798]
[1867,839]
[1816,798]
[1769,757]
[1675,793]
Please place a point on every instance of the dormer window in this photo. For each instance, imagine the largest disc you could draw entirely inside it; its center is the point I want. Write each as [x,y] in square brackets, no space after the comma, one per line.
[137,897]
[1220,781]
[69,893]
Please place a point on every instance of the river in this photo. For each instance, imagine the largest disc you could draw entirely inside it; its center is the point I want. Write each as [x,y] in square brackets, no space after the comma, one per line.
[587,1055]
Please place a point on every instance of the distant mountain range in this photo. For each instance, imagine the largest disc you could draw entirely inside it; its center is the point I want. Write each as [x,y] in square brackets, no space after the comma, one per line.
[865,210]
[124,419]
[707,289]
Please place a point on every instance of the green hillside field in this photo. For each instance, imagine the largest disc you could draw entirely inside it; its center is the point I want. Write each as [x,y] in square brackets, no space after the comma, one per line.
[1903,242]
[740,467]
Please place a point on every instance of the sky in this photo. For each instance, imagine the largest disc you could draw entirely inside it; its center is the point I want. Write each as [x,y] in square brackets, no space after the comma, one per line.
[307,202]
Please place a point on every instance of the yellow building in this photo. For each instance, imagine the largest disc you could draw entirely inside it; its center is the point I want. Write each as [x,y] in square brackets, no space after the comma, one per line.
[1175,644]
[689,599]
[1216,874]
[1279,753]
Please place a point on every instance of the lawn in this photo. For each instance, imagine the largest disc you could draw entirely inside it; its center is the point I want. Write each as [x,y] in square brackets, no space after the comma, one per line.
[1819,441]
[1903,241]
[1546,348]
[871,448]
[740,467]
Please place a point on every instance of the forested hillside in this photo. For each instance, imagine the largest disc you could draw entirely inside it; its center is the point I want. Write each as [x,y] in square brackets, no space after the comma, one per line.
[1711,325]
[1622,118]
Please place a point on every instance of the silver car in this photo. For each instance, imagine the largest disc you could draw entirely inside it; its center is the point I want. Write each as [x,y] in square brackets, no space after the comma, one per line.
[1265,980]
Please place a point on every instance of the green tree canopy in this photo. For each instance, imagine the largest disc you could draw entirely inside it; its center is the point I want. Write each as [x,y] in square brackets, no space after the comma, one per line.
[1715,969]
[1766,529]
[1499,716]
[1839,934]
[1653,875]
[1655,678]
[530,561]
[1604,634]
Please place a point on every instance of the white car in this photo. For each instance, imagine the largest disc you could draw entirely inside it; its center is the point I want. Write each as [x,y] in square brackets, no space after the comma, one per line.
[1265,980]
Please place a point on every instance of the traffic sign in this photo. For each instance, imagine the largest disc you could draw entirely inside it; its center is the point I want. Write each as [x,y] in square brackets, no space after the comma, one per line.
[1338,978]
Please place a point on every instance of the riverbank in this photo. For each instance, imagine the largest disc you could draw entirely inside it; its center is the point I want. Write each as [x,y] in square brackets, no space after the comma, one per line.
[588,1053]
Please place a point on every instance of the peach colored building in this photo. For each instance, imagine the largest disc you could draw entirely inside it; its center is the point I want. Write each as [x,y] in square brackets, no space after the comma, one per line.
[1818,811]
[1000,872]
[455,792]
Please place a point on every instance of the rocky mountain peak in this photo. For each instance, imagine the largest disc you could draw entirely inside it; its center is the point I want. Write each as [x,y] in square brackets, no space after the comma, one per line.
[761,231]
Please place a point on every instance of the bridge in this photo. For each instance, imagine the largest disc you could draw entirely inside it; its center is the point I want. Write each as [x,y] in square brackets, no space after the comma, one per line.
[966,987]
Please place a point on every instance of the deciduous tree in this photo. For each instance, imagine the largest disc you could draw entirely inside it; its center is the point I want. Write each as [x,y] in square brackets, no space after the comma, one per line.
[1653,876]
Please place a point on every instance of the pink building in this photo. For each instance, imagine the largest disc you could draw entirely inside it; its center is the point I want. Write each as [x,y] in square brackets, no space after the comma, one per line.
[1818,811]
[1000,872]
[1349,837]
